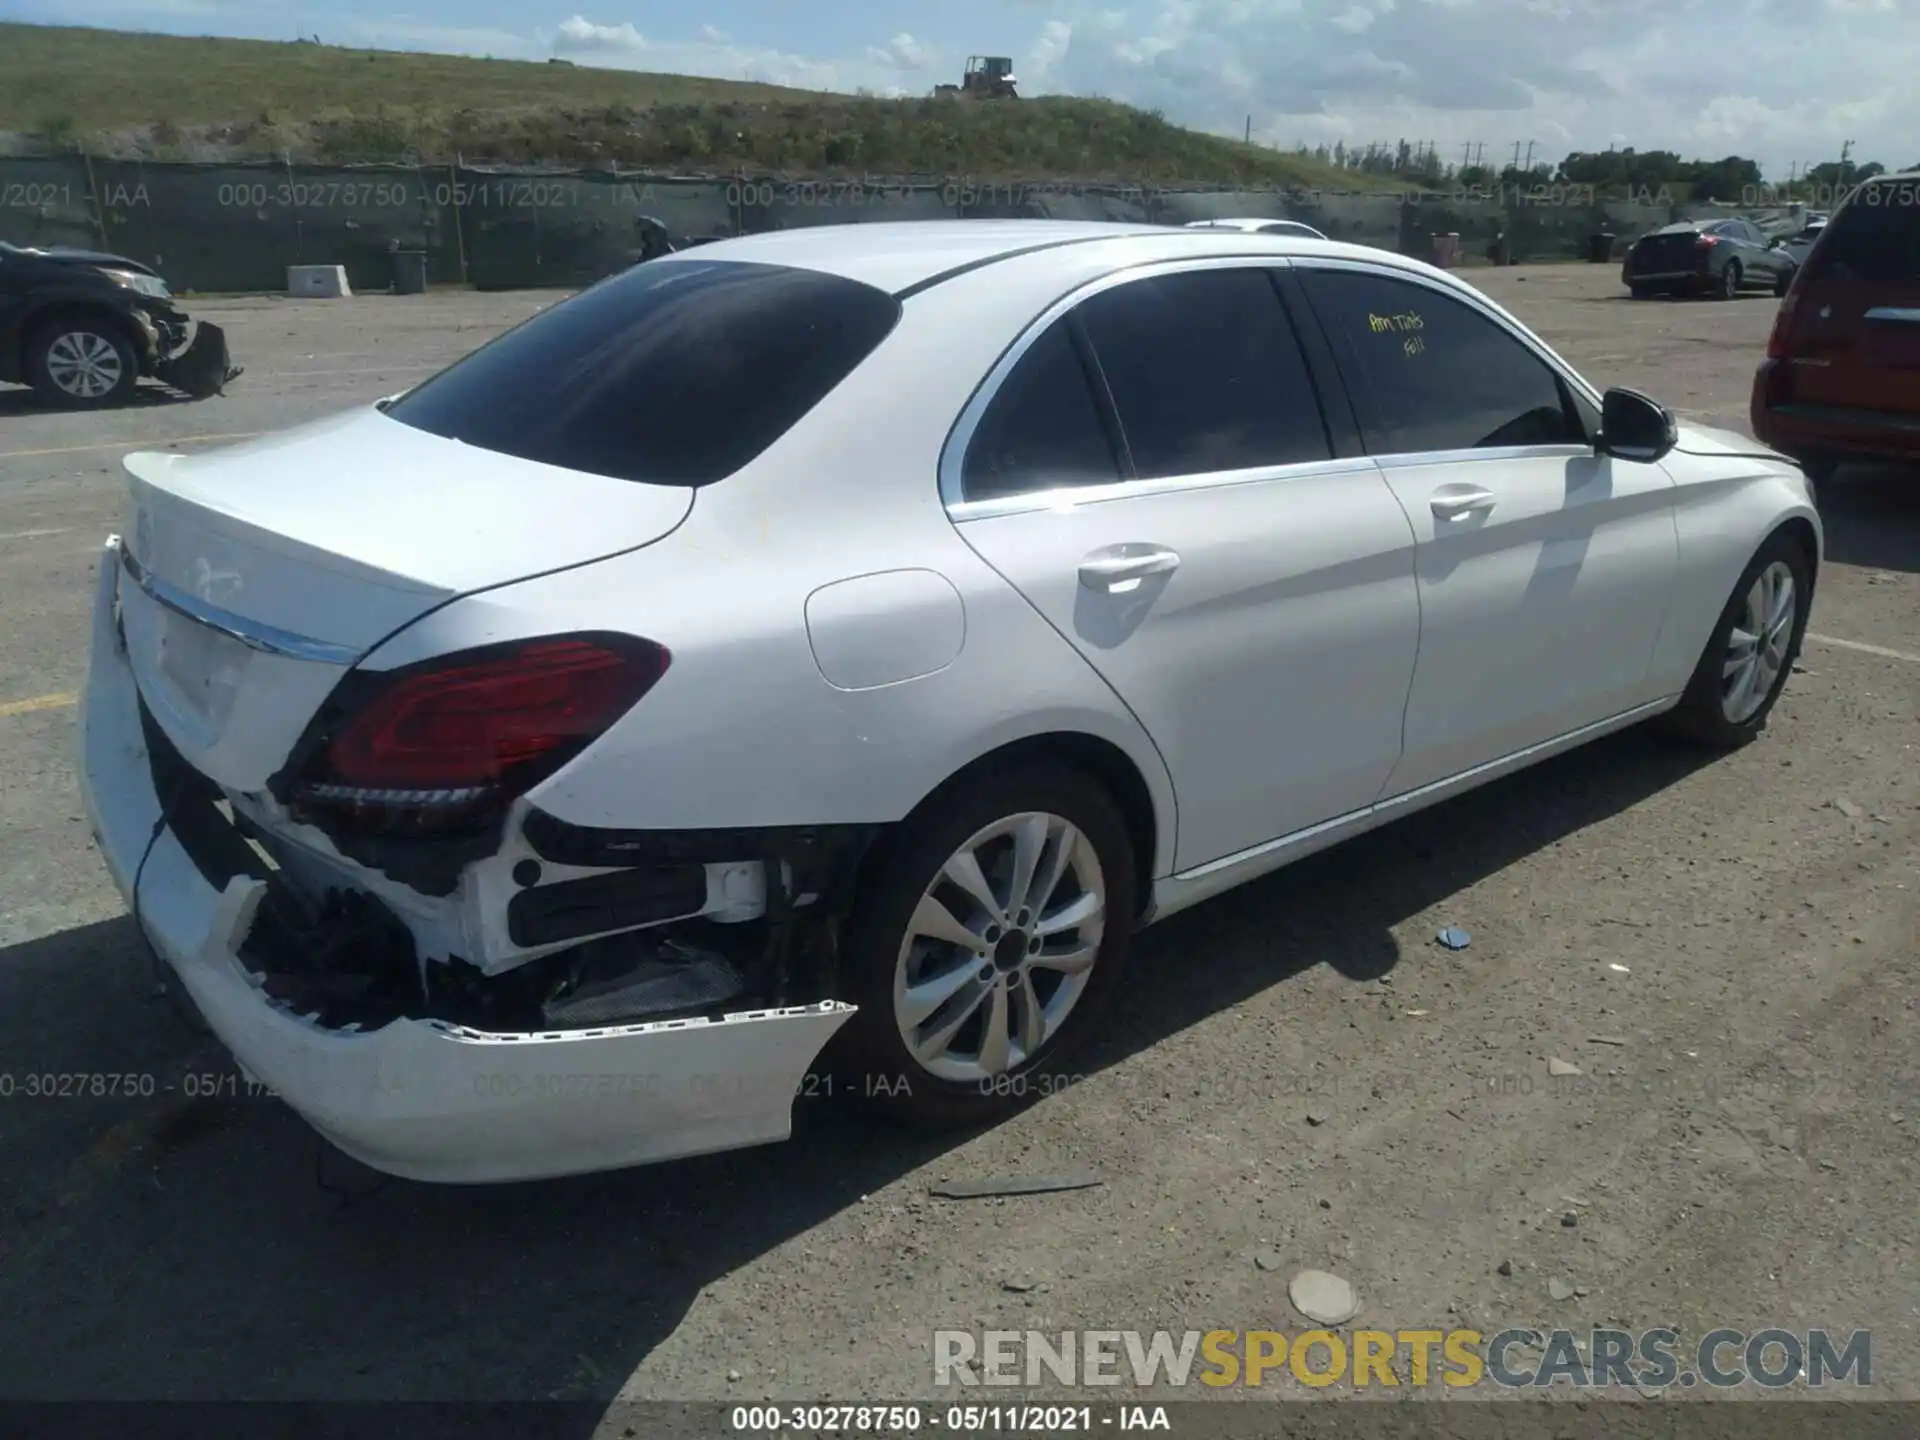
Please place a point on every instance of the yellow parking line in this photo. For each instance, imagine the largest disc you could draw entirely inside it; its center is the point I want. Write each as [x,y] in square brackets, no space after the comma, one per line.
[127,445]
[38,702]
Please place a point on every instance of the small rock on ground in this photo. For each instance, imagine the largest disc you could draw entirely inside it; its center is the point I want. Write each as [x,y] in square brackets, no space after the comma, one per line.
[1323,1297]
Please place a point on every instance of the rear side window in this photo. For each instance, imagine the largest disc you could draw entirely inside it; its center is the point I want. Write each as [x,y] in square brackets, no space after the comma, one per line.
[673,373]
[1875,237]
[1430,373]
[1043,429]
[1205,373]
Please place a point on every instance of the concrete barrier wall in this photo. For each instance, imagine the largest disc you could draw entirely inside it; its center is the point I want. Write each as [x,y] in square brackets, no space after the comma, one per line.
[237,227]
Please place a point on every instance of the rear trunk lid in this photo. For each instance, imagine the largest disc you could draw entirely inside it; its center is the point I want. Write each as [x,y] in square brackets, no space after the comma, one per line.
[1855,319]
[259,573]
[1665,252]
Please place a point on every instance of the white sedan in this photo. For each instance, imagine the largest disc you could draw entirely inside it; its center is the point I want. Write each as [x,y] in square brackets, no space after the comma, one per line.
[817,654]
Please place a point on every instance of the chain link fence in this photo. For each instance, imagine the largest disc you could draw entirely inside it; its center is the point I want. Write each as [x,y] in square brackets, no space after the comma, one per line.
[236,227]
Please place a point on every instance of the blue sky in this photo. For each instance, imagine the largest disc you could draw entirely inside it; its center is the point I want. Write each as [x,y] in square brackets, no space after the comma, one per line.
[1784,81]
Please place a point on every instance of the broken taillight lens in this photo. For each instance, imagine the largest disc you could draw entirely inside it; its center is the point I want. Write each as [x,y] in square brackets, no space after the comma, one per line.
[463,735]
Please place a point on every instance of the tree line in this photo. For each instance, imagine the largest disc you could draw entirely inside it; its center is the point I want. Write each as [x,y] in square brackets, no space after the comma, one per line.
[1733,178]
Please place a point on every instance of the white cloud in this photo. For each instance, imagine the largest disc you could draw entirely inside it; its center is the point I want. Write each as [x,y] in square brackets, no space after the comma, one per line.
[1787,81]
[890,69]
[1050,48]
[903,52]
[580,34]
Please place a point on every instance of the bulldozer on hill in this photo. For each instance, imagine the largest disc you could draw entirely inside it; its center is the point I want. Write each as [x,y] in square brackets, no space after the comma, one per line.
[988,77]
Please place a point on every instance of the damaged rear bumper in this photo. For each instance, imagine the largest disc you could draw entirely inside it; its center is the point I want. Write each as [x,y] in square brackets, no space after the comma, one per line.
[424,1099]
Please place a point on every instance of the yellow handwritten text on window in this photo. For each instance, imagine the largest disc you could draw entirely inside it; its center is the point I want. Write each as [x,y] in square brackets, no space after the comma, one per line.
[1396,324]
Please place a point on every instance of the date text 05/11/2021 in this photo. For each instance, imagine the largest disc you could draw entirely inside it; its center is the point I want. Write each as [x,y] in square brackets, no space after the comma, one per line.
[820,1086]
[958,1420]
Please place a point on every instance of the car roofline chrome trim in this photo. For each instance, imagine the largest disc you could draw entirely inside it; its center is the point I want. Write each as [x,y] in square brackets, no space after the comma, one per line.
[981,262]
[268,639]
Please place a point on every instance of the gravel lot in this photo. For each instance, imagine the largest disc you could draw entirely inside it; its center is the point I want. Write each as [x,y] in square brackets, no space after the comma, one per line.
[1747,927]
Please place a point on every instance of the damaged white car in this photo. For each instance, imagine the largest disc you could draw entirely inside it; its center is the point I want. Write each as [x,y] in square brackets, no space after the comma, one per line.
[825,649]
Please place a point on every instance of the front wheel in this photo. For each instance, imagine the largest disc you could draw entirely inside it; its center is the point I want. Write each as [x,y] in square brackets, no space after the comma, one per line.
[81,364]
[1751,651]
[983,946]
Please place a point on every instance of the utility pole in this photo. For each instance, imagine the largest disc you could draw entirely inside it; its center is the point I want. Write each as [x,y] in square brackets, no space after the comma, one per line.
[1249,129]
[1846,149]
[1516,154]
[1529,164]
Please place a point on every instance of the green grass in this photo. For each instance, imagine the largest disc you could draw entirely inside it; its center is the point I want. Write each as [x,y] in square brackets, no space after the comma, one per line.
[115,92]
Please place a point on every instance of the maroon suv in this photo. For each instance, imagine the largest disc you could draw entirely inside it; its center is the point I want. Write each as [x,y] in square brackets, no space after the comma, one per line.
[1842,375]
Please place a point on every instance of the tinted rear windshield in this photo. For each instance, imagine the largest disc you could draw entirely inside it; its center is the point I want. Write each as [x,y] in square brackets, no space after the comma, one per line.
[674,373]
[1876,237]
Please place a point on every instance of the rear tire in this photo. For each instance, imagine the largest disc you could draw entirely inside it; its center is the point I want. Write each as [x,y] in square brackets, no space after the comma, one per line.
[1729,282]
[1644,292]
[1751,651]
[1783,282]
[1011,1019]
[81,363]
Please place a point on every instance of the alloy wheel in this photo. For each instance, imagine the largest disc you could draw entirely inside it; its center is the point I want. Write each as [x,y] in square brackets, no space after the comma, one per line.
[1000,948]
[83,364]
[1757,645]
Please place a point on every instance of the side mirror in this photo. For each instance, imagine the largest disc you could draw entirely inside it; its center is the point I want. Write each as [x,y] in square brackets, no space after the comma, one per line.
[1635,427]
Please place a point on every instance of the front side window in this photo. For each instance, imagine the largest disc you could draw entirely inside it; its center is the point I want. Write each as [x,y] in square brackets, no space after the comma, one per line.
[1429,373]
[672,373]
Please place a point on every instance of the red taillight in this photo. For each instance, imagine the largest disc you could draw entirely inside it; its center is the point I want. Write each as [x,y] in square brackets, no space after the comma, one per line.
[471,732]
[1782,335]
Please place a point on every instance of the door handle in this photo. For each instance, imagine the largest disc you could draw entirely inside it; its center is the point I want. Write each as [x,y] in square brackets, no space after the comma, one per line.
[1105,569]
[1453,502]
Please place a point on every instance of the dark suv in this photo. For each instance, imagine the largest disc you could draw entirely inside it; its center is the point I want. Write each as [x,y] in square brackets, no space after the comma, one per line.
[81,327]
[1706,257]
[1842,375]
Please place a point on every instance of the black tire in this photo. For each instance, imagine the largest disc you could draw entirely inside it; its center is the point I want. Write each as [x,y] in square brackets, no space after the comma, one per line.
[869,1059]
[1730,277]
[1701,716]
[1783,282]
[1644,292]
[55,346]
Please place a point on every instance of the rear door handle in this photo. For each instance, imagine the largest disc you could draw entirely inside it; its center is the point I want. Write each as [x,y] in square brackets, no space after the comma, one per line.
[1118,564]
[1457,500]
